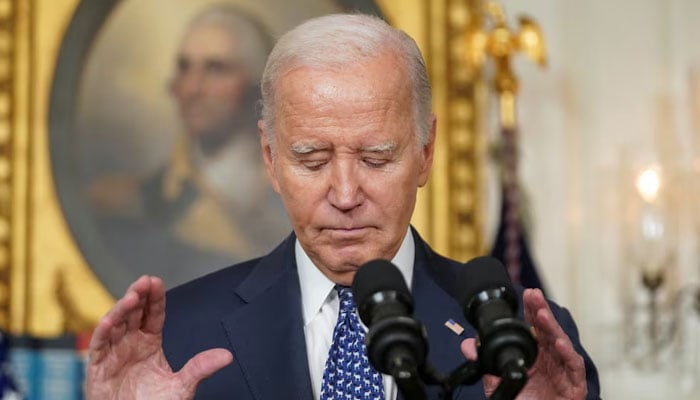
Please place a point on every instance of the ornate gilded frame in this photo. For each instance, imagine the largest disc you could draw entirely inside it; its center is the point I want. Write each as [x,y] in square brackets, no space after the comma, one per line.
[46,287]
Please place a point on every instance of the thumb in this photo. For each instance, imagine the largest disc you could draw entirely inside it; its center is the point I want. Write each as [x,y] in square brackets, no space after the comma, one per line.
[203,365]
[468,348]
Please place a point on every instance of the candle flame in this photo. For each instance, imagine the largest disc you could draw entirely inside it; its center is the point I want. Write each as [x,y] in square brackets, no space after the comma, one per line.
[648,184]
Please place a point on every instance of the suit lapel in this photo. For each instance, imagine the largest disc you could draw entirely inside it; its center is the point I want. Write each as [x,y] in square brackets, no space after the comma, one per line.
[267,333]
[271,351]
[433,281]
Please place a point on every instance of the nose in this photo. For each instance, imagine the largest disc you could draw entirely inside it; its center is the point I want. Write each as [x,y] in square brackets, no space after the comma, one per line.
[345,192]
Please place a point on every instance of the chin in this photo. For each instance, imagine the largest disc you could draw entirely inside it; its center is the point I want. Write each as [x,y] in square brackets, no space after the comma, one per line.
[350,266]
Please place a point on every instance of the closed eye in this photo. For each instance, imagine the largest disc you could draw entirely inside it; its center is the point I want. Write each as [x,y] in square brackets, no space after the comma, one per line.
[375,162]
[313,165]
[379,155]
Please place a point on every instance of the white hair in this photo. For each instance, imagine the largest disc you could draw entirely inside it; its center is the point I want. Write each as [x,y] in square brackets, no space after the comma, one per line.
[255,40]
[340,39]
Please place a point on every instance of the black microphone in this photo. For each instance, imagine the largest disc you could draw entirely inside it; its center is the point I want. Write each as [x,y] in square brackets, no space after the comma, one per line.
[506,345]
[397,344]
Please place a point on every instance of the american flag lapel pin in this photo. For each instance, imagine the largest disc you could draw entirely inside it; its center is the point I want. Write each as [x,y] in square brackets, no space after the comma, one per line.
[454,327]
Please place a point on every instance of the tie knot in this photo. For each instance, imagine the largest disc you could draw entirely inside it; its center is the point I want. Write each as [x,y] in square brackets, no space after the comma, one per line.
[347,303]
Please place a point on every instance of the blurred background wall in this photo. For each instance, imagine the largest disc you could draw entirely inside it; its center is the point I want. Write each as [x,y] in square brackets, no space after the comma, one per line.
[619,97]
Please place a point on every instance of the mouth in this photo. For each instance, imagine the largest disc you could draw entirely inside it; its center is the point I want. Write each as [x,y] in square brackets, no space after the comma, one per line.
[347,232]
[345,228]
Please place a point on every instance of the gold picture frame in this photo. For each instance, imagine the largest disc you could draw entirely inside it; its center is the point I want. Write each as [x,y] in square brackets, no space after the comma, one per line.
[46,285]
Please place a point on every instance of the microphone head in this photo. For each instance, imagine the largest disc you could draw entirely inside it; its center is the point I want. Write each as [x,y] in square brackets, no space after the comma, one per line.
[505,342]
[480,275]
[376,281]
[397,344]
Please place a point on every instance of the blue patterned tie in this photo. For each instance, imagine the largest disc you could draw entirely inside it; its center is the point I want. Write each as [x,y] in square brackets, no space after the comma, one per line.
[348,374]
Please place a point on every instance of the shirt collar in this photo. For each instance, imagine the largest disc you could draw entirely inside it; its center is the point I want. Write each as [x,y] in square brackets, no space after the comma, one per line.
[315,287]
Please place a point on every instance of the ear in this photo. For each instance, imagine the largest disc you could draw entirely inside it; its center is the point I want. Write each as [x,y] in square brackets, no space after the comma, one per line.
[427,153]
[267,156]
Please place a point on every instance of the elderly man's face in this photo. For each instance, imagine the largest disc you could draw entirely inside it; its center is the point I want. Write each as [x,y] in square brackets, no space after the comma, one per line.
[210,81]
[347,162]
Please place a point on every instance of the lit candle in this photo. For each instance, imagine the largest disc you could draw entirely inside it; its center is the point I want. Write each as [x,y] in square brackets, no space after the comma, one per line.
[648,184]
[652,224]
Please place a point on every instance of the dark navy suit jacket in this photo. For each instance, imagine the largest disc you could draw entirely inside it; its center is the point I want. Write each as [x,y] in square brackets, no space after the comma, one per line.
[254,310]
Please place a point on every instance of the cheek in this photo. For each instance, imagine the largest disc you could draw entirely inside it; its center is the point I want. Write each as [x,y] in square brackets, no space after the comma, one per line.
[400,200]
[230,91]
[300,194]
[176,89]
[396,196]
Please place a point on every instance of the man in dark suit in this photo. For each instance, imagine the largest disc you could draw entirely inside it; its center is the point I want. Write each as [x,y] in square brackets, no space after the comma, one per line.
[347,137]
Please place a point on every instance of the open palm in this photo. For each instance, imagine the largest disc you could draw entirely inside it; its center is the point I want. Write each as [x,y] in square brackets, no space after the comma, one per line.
[559,372]
[126,355]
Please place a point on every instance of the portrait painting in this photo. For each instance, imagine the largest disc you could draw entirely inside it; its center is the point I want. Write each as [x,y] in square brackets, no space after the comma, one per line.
[153,133]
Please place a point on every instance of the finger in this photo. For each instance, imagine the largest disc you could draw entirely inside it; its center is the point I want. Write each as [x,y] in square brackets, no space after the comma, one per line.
[113,325]
[554,344]
[202,365]
[539,315]
[154,315]
[572,360]
[117,332]
[110,328]
[141,288]
[114,317]
[553,340]
[99,342]
[468,348]
[547,328]
[533,300]
[131,314]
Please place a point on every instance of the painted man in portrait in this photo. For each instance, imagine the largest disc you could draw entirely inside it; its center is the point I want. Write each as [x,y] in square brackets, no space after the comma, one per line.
[210,204]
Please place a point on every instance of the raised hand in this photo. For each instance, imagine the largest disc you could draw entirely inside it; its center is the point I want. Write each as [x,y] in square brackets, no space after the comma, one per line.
[126,354]
[559,372]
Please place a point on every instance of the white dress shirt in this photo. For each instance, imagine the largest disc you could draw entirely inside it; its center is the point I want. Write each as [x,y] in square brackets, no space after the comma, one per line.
[320,308]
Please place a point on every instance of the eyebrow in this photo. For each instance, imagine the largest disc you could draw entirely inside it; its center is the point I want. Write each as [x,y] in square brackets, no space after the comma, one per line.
[307,148]
[380,148]
[304,148]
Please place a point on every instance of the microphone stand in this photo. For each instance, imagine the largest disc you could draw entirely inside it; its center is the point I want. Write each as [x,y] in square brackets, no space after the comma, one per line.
[512,382]
[408,381]
[466,374]
[397,346]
